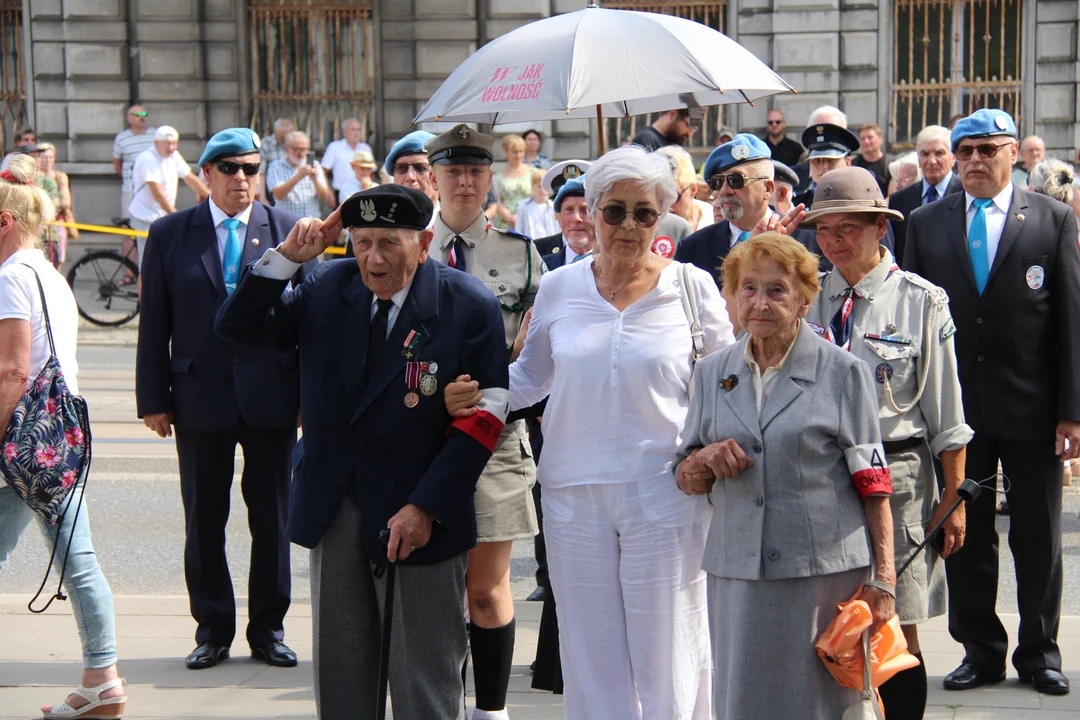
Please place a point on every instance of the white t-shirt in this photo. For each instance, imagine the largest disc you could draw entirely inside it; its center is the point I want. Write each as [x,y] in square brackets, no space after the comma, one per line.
[631,369]
[337,159]
[151,167]
[20,299]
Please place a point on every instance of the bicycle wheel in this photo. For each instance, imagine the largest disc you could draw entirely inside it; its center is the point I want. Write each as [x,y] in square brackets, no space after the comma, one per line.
[96,282]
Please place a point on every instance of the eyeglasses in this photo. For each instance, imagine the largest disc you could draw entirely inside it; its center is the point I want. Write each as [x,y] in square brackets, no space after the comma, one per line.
[615,215]
[231,168]
[140,113]
[986,150]
[735,181]
[418,168]
[775,122]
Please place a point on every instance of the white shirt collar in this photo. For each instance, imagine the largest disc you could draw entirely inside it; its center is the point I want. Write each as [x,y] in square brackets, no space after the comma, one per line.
[218,215]
[1002,200]
[397,298]
[941,186]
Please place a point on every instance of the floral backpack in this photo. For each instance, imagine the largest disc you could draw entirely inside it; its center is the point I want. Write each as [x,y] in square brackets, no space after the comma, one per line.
[46,447]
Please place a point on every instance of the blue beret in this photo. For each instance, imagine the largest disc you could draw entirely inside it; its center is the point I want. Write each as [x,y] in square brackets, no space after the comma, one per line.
[411,144]
[570,188]
[233,141]
[743,148]
[387,206]
[983,123]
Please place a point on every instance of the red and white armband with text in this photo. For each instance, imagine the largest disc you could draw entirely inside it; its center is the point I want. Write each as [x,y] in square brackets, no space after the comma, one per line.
[487,423]
[869,472]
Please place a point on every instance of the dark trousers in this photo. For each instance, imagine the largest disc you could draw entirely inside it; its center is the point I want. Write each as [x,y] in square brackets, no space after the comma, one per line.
[1034,497]
[536,440]
[206,474]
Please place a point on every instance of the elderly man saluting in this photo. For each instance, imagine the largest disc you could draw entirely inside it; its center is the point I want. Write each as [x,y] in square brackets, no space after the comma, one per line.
[380,448]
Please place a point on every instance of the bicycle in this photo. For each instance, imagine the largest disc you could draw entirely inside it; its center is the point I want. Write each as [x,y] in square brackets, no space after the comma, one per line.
[106,284]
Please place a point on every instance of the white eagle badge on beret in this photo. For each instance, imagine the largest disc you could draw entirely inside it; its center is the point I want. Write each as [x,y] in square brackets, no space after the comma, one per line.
[367,210]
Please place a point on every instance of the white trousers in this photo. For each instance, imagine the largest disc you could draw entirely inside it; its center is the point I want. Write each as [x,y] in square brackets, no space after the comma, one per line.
[625,565]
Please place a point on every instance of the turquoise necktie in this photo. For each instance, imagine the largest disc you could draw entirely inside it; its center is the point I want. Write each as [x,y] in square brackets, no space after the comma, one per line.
[980,254]
[230,263]
[578,257]
[743,236]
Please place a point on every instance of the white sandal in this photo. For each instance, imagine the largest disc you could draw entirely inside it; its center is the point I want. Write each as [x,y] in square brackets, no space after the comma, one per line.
[107,709]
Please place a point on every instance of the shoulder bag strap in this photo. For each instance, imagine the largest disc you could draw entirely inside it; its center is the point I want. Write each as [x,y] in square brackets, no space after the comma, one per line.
[689,303]
[44,309]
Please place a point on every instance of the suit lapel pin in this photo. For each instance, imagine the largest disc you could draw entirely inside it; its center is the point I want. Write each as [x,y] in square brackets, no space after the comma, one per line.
[730,382]
[255,242]
[1020,217]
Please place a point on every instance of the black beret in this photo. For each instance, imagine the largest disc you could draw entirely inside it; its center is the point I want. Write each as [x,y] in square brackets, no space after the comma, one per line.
[387,206]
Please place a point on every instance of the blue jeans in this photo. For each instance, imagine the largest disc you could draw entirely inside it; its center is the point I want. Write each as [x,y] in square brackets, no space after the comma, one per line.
[91,598]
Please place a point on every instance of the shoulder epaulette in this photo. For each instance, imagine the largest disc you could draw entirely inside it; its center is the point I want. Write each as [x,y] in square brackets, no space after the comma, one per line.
[937,294]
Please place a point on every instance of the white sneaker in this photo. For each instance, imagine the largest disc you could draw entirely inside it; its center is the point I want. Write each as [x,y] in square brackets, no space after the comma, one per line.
[479,714]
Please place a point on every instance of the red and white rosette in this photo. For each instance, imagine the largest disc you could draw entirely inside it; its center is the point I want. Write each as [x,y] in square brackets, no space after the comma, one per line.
[663,246]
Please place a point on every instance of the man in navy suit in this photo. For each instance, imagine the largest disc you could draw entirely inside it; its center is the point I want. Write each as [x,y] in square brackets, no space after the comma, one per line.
[741,174]
[377,338]
[578,236]
[556,176]
[936,162]
[214,394]
[1009,261]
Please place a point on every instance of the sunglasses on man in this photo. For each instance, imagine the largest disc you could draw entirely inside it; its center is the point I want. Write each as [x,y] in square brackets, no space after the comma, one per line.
[614,215]
[140,113]
[231,168]
[986,150]
[735,181]
[419,168]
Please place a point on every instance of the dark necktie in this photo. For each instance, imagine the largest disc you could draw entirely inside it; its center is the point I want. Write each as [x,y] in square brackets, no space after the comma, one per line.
[843,321]
[377,334]
[457,253]
[931,195]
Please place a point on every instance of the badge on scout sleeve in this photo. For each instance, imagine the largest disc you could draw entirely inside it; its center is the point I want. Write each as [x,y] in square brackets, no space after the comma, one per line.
[947,330]
[1035,276]
[820,330]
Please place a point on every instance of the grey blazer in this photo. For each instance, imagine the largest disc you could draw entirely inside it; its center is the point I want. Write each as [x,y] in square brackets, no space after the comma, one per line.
[795,512]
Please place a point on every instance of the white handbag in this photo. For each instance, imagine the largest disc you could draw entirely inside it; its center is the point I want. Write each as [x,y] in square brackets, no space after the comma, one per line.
[689,303]
[867,708]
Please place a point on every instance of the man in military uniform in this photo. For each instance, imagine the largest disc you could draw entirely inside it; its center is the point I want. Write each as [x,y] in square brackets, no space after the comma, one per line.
[900,325]
[740,174]
[556,176]
[830,147]
[510,266]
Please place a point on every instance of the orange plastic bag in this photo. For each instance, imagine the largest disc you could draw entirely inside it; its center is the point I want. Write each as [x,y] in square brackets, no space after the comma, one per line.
[840,647]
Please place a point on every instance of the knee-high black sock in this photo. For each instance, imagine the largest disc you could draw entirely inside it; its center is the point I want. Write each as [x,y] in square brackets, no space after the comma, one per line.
[904,695]
[492,656]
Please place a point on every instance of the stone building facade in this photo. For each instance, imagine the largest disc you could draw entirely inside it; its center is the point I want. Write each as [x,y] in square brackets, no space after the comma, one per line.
[201,65]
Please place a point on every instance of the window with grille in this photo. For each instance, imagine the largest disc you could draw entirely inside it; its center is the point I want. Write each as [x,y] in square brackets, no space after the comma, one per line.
[12,87]
[310,61]
[711,13]
[952,57]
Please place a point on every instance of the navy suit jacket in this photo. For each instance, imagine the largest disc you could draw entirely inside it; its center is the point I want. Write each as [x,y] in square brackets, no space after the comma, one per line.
[708,247]
[182,366]
[359,435]
[555,259]
[1017,349]
[906,201]
[550,244]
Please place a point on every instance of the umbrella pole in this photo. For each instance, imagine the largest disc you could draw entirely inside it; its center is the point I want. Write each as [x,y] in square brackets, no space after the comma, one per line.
[600,126]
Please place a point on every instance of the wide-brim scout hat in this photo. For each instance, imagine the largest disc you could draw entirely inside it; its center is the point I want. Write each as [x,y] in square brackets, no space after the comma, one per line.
[848,190]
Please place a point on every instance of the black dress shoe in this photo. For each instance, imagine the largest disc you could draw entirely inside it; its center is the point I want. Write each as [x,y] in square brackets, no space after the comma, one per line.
[537,595]
[275,653]
[969,676]
[207,655]
[1050,682]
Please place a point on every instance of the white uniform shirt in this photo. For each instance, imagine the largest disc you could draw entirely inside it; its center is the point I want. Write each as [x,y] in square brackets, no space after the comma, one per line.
[338,158]
[166,172]
[995,218]
[618,382]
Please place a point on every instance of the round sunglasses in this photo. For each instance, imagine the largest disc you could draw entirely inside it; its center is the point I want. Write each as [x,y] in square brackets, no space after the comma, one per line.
[643,217]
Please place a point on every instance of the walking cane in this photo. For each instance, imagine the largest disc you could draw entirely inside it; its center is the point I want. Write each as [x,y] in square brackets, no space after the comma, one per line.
[383,565]
[968,491]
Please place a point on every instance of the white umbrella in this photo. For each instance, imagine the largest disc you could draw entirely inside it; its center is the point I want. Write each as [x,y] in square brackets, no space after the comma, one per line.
[597,62]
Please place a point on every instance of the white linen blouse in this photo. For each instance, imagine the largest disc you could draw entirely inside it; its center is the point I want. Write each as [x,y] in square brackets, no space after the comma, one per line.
[617,382]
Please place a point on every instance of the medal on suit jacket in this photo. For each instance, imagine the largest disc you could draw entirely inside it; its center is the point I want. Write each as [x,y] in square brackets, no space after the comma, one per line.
[412,382]
[410,342]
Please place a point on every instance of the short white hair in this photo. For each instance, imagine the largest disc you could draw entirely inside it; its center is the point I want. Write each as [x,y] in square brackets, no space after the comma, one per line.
[827,112]
[282,123]
[1054,178]
[346,121]
[934,132]
[633,163]
[905,159]
[294,136]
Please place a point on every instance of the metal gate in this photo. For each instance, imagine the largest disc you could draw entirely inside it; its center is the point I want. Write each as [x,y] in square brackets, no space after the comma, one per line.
[310,62]
[12,87]
[712,13]
[952,57]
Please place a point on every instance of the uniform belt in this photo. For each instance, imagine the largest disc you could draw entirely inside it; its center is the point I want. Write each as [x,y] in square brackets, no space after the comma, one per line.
[899,446]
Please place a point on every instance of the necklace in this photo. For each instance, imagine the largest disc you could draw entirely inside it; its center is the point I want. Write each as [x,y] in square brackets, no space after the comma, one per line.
[613,293]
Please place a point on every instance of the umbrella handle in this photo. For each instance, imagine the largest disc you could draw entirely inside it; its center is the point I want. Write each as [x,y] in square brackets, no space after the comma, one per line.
[968,491]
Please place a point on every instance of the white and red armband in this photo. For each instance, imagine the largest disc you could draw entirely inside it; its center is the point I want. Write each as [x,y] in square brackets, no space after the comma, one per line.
[869,472]
[486,424]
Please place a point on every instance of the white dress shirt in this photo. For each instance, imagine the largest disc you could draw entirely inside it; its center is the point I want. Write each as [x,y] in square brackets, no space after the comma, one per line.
[397,298]
[618,381]
[218,215]
[941,187]
[996,214]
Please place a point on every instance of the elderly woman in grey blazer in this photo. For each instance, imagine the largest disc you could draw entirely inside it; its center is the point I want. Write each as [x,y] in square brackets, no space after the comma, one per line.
[783,434]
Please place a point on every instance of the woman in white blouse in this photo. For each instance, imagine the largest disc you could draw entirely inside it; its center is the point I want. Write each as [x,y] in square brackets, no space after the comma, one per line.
[609,345]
